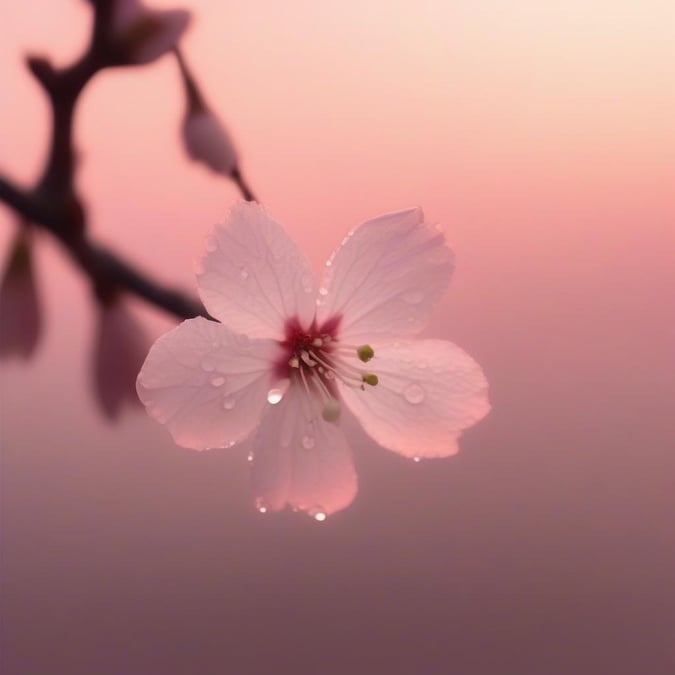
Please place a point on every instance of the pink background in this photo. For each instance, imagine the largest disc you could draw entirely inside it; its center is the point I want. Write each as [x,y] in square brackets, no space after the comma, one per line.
[541,135]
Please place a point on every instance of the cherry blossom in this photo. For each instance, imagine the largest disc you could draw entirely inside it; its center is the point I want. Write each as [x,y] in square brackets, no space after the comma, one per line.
[20,317]
[142,35]
[287,359]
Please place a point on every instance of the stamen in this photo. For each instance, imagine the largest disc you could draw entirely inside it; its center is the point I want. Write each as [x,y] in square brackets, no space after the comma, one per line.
[320,359]
[365,353]
[331,410]
[304,355]
[338,368]
[322,388]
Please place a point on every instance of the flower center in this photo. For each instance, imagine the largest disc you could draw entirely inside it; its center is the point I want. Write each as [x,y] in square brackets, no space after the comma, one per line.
[317,359]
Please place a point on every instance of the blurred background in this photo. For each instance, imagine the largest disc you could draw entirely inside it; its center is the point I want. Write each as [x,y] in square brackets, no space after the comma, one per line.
[541,136]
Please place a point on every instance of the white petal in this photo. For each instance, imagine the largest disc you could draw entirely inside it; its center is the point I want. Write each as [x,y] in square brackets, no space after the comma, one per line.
[305,465]
[208,385]
[428,392]
[207,141]
[386,278]
[253,277]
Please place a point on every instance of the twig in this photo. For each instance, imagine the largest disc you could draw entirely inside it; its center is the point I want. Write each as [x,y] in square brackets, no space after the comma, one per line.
[54,203]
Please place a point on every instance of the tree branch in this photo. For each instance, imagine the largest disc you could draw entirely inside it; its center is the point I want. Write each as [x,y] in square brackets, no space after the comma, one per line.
[54,203]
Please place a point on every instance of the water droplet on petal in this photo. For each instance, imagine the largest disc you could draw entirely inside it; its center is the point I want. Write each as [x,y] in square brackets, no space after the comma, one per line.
[229,403]
[261,506]
[413,297]
[320,516]
[329,375]
[208,364]
[323,291]
[274,396]
[413,393]
[229,444]
[250,457]
[211,243]
[217,380]
[308,442]
[329,262]
[417,459]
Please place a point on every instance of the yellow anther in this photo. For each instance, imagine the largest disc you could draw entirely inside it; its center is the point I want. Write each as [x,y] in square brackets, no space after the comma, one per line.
[370,378]
[365,353]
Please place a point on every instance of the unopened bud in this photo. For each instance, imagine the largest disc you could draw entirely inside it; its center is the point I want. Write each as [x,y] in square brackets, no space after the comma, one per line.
[141,35]
[20,316]
[207,141]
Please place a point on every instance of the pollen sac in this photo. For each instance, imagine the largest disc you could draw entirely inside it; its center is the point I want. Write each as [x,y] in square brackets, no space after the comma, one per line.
[365,353]
[331,410]
[371,379]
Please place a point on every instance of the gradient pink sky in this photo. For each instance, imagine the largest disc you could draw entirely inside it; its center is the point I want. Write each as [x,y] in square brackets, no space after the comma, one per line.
[541,136]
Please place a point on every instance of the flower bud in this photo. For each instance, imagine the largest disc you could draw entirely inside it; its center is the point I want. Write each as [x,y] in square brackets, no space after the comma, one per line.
[119,351]
[207,141]
[141,35]
[20,320]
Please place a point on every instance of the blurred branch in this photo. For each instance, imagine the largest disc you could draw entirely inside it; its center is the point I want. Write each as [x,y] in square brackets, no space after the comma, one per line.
[18,200]
[54,203]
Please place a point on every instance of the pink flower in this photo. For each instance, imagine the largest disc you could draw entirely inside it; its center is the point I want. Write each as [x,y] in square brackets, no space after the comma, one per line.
[119,350]
[143,35]
[289,357]
[20,323]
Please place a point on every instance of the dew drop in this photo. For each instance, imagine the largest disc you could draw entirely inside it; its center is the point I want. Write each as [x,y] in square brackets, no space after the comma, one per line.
[329,375]
[217,380]
[323,291]
[417,459]
[250,457]
[320,516]
[211,243]
[308,442]
[414,394]
[329,262]
[229,403]
[208,365]
[274,396]
[229,444]
[413,297]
